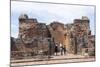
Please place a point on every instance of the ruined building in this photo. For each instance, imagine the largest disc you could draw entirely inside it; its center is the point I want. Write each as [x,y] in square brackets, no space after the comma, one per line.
[35,37]
[79,31]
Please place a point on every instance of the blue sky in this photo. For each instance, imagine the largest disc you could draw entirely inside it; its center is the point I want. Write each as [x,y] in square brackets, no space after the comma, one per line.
[47,13]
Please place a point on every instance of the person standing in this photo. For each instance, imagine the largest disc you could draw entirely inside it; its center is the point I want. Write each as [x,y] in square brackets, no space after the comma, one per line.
[64,48]
[56,48]
[61,49]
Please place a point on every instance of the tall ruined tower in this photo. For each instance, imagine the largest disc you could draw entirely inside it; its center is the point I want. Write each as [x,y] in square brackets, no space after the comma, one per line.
[81,30]
[25,26]
[33,34]
[29,28]
[82,26]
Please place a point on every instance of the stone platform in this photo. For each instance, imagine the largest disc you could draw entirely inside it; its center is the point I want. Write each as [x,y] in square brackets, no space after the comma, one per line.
[69,58]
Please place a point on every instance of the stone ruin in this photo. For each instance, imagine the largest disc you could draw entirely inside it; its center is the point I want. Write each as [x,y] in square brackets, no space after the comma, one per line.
[35,37]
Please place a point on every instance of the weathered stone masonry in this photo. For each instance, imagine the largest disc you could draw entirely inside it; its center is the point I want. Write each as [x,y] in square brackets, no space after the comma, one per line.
[36,37]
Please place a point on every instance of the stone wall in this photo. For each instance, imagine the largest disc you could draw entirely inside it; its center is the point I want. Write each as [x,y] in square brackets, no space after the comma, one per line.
[34,36]
[81,30]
